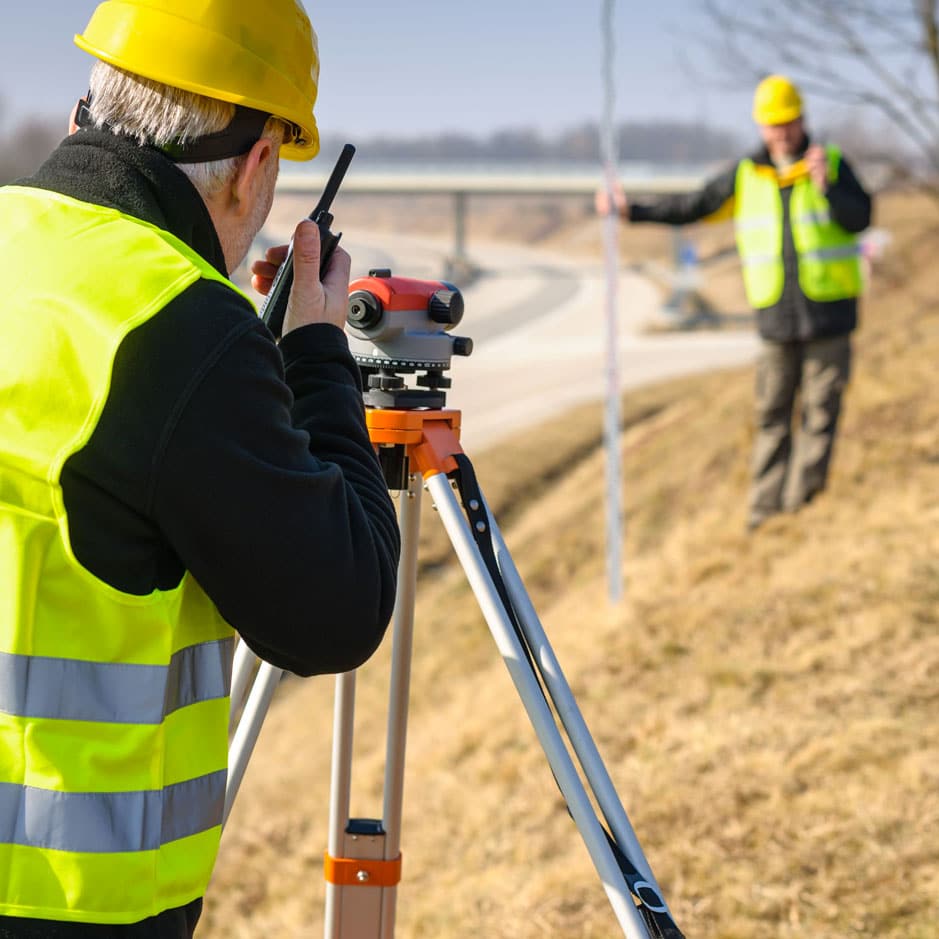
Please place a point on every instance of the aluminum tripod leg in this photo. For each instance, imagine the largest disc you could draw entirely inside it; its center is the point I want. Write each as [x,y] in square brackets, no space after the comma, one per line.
[249,725]
[363,855]
[573,722]
[535,704]
[242,668]
[339,791]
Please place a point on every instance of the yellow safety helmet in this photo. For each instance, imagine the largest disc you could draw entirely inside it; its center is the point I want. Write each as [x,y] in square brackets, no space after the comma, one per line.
[776,101]
[262,56]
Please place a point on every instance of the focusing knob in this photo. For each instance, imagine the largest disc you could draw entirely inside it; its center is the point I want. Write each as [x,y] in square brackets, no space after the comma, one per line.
[365,309]
[446,306]
[462,345]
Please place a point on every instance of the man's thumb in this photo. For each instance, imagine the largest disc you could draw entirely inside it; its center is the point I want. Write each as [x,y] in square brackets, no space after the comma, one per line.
[305,291]
[306,245]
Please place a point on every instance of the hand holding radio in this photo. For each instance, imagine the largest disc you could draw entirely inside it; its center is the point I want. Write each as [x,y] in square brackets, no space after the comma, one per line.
[313,298]
[279,293]
[816,162]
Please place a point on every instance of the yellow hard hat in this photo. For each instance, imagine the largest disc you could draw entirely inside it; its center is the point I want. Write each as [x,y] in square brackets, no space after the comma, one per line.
[261,56]
[777,101]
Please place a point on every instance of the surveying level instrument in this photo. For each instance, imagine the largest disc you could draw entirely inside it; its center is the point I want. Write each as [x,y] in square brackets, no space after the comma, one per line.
[399,327]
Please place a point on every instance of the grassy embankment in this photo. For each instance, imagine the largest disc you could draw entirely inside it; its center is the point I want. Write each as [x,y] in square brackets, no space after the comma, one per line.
[767,704]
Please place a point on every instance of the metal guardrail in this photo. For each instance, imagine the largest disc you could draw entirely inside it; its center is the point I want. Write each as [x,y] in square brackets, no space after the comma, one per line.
[460,185]
[441,182]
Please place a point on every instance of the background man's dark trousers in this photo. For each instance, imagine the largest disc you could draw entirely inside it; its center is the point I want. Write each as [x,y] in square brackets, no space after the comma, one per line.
[787,469]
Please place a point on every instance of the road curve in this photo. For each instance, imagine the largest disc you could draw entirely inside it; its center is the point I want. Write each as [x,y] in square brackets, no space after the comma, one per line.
[538,323]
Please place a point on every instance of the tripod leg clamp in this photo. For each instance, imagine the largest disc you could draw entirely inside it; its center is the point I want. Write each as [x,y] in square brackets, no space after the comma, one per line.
[362,872]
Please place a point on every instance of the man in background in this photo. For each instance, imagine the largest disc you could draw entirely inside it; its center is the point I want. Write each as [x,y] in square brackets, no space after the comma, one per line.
[797,209]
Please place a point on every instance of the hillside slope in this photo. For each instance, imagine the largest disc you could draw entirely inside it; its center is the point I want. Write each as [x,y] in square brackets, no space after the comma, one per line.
[766,704]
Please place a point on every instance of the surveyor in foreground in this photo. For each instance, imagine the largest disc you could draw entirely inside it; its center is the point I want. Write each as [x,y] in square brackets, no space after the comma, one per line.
[798,208]
[169,476]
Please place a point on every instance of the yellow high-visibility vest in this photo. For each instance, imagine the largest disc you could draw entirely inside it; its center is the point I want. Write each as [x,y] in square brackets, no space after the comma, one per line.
[828,256]
[113,707]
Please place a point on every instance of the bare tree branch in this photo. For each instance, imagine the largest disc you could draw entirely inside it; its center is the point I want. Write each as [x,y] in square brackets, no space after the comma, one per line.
[879,55]
[899,99]
[930,23]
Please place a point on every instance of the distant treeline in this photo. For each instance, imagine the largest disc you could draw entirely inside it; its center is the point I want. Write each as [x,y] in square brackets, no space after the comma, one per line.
[24,146]
[660,141]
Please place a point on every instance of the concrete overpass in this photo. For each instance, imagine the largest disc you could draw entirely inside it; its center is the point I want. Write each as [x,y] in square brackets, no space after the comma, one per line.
[460,184]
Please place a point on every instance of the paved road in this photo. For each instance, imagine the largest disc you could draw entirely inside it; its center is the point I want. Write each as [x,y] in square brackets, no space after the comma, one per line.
[538,324]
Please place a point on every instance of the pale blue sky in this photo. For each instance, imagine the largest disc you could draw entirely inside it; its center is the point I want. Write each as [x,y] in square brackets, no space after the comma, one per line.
[419,66]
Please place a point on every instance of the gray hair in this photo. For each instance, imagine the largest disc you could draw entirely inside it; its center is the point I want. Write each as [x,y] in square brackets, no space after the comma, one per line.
[158,114]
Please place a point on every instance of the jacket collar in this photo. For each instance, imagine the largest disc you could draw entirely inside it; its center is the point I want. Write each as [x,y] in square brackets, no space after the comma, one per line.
[109,170]
[762,157]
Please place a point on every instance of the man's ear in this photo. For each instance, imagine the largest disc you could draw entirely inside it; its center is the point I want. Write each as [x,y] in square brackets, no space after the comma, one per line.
[72,125]
[251,175]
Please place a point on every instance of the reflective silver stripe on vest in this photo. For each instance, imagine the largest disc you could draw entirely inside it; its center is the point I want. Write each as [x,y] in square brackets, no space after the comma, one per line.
[111,692]
[751,222]
[752,260]
[832,254]
[821,217]
[110,822]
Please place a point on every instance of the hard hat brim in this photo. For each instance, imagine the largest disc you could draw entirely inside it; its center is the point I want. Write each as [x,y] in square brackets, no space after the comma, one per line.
[777,115]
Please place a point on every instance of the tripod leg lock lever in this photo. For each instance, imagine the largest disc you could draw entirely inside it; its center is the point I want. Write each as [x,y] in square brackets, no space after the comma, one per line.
[362,872]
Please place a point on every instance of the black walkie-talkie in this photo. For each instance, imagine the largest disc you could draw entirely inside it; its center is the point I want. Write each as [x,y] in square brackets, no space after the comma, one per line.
[274,307]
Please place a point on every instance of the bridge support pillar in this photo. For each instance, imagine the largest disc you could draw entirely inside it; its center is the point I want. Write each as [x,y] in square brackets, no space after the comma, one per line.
[460,199]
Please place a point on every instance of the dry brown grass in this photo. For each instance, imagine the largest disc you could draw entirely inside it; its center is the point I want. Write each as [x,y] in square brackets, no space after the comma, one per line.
[767,704]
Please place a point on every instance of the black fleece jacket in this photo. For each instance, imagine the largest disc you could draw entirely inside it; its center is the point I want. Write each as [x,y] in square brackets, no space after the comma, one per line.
[220,453]
[794,317]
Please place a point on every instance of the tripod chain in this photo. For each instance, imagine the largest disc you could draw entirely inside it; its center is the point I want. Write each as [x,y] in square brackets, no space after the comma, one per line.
[475,508]
[654,912]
